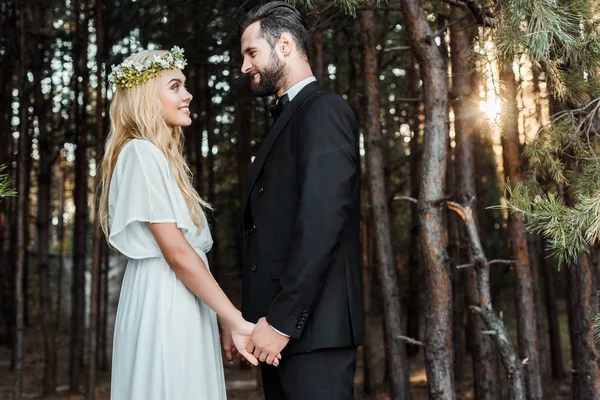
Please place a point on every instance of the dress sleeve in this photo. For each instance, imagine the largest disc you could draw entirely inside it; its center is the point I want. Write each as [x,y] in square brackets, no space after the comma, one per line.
[141,191]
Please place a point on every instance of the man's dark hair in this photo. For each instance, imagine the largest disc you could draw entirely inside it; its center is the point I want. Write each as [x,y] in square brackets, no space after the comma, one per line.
[275,18]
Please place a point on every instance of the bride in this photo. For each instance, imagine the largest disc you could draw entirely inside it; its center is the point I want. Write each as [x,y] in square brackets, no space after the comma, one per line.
[166,339]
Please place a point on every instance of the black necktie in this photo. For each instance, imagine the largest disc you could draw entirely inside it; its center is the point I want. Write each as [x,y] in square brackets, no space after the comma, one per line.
[279,106]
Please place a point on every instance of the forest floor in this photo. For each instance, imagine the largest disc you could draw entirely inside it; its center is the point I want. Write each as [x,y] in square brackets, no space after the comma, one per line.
[241,381]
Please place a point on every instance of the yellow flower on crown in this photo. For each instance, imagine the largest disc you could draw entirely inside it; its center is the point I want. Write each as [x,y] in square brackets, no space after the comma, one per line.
[130,73]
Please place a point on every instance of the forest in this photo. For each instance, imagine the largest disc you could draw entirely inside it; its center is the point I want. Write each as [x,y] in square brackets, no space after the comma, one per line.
[480,203]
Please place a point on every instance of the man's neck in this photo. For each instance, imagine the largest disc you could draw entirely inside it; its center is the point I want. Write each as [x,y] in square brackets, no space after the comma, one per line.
[295,77]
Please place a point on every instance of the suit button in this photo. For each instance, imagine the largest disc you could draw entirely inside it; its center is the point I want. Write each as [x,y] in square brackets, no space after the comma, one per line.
[251,230]
[254,268]
[261,191]
[299,326]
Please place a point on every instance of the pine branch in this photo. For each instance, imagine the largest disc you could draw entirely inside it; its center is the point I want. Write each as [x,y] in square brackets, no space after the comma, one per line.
[5,187]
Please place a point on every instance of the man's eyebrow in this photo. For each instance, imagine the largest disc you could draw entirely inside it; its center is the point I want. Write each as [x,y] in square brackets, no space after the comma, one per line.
[248,50]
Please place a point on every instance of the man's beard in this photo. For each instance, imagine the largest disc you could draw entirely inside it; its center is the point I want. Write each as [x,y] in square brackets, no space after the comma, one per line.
[271,78]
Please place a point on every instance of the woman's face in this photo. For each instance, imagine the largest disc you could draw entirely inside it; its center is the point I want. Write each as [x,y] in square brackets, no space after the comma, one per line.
[175,98]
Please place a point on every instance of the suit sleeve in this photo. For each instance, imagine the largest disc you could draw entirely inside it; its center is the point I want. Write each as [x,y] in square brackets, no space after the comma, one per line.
[328,169]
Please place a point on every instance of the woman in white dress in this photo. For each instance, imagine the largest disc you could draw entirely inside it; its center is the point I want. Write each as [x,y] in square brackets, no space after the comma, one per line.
[166,339]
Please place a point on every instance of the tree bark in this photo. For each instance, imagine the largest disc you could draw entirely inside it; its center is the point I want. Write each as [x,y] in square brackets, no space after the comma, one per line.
[439,355]
[317,53]
[524,295]
[582,306]
[533,244]
[558,369]
[399,383]
[414,258]
[80,196]
[60,236]
[98,238]
[482,348]
[105,308]
[367,260]
[21,210]
[46,157]
[514,367]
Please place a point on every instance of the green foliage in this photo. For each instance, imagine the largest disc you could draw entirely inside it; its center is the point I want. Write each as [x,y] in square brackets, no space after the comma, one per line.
[5,187]
[566,157]
[560,37]
[349,6]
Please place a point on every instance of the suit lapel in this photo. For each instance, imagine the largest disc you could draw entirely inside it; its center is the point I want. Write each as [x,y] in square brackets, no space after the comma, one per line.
[276,129]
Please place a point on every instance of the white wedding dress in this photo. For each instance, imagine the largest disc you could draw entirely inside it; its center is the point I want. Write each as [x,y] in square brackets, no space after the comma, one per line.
[166,341]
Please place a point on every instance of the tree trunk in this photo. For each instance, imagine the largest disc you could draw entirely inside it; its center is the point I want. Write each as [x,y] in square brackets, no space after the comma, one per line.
[98,238]
[458,289]
[414,258]
[524,295]
[105,298]
[80,196]
[439,356]
[46,156]
[21,210]
[533,244]
[484,364]
[317,54]
[399,383]
[582,306]
[367,262]
[514,367]
[558,369]
[60,236]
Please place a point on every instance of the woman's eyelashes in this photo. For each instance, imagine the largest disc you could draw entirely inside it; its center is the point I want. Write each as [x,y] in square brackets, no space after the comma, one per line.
[177,85]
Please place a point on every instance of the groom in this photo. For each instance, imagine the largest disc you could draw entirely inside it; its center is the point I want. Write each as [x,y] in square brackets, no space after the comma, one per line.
[302,279]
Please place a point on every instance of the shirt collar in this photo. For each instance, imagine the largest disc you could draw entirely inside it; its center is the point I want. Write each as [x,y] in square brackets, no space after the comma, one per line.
[294,90]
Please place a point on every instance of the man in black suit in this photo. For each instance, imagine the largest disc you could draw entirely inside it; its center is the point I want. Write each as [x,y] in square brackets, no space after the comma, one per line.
[302,279]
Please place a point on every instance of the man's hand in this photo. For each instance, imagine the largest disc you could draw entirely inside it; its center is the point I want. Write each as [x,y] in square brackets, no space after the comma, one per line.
[267,343]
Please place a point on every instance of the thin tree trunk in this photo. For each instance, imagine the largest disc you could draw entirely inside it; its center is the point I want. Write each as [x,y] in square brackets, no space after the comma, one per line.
[21,210]
[484,364]
[317,54]
[414,257]
[458,289]
[556,357]
[583,308]
[396,351]
[105,295]
[98,239]
[366,234]
[60,236]
[514,367]
[46,154]
[524,295]
[80,196]
[533,244]
[439,357]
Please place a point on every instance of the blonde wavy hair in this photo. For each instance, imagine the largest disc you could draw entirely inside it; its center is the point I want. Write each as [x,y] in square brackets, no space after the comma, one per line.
[137,113]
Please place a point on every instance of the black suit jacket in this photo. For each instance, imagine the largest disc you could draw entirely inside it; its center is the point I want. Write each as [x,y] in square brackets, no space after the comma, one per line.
[302,223]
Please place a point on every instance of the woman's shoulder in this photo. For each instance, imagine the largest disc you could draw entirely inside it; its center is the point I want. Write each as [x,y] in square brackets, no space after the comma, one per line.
[141,147]
[143,152]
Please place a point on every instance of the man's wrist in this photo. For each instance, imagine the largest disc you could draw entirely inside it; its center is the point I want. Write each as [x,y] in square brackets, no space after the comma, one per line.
[278,331]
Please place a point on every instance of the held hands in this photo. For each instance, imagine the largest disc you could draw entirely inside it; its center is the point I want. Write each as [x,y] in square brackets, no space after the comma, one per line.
[266,344]
[269,341]
[235,338]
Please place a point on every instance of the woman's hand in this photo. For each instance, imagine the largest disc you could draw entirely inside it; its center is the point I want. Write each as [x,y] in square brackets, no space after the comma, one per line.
[241,333]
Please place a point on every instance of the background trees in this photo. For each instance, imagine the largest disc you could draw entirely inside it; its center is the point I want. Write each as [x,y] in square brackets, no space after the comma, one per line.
[455,99]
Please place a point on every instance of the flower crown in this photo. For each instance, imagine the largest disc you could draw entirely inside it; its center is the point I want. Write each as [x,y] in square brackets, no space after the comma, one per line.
[130,73]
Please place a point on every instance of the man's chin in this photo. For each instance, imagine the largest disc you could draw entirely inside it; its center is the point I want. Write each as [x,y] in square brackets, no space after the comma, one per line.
[261,92]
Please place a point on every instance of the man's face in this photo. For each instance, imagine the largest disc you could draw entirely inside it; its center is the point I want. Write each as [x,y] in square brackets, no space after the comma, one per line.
[263,63]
